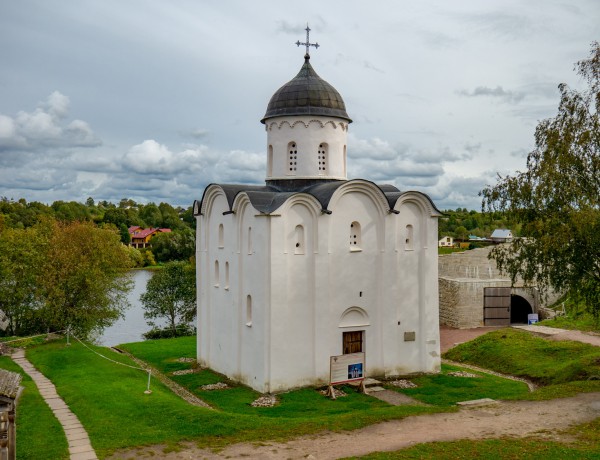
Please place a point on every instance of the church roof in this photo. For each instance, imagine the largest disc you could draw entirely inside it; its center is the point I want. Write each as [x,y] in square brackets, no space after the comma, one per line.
[306,94]
[268,198]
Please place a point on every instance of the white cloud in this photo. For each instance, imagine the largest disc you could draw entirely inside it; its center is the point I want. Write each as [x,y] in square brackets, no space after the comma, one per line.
[511,97]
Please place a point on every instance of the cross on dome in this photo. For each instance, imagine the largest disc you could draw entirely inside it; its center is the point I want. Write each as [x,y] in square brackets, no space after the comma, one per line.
[307,43]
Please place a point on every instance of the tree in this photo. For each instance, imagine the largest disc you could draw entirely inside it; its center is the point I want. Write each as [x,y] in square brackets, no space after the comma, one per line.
[82,279]
[171,294]
[177,245]
[557,200]
[21,255]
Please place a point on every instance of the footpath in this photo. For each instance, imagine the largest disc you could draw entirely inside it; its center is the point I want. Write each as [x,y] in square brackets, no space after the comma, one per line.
[80,447]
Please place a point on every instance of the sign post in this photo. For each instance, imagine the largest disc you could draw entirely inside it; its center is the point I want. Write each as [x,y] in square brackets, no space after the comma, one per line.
[346,369]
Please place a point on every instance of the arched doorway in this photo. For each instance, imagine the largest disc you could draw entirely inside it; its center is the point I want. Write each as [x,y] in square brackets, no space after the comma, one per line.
[519,309]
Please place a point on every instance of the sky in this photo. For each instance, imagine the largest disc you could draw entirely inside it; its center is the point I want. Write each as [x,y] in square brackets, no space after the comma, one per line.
[154,100]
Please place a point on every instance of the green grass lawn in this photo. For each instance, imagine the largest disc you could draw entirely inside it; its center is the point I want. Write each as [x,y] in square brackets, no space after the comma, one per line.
[109,399]
[562,368]
[39,434]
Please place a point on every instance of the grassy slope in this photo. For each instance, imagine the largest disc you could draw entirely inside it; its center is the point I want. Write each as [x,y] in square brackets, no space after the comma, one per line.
[562,368]
[37,428]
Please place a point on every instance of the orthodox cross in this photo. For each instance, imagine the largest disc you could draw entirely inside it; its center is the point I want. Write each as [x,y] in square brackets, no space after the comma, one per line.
[307,43]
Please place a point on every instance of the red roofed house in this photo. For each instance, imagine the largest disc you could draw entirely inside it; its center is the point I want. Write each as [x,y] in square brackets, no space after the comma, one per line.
[140,237]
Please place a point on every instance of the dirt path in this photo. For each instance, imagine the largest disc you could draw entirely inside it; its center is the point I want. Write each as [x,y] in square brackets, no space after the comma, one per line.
[544,419]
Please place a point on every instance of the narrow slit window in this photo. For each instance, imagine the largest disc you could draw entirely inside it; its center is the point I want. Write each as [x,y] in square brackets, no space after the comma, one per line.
[355,236]
[408,242]
[249,242]
[248,310]
[226,275]
[221,236]
[216,273]
[299,240]
[270,162]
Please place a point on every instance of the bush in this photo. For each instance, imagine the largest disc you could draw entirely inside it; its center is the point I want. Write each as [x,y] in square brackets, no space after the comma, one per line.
[180,331]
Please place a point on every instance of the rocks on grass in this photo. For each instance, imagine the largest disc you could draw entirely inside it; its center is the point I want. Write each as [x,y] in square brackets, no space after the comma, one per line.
[462,374]
[214,386]
[264,401]
[403,383]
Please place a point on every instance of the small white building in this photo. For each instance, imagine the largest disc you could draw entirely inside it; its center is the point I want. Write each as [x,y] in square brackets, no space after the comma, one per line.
[446,242]
[501,235]
[312,264]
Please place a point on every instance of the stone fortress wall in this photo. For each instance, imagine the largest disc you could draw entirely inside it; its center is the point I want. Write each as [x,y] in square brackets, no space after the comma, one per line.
[462,278]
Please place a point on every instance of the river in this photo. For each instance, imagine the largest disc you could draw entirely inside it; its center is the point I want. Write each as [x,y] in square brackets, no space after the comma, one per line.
[133,325]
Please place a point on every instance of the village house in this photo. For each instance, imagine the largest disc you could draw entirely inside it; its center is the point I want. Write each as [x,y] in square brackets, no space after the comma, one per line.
[140,237]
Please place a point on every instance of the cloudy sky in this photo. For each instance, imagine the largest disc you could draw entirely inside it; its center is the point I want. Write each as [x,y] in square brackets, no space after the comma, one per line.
[153,100]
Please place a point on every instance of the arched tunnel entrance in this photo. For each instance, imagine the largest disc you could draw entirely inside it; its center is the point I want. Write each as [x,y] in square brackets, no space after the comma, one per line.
[519,309]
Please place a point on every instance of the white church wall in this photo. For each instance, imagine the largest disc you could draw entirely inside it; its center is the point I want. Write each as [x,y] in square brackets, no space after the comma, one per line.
[252,296]
[293,286]
[310,135]
[355,275]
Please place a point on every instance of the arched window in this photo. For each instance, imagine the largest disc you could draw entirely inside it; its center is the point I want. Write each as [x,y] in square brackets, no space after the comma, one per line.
[216,273]
[270,162]
[226,275]
[322,158]
[221,236]
[408,243]
[248,310]
[299,240]
[249,242]
[292,158]
[355,236]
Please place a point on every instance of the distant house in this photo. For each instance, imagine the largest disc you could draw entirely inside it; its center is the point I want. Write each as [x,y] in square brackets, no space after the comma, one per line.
[140,237]
[476,238]
[501,235]
[446,242]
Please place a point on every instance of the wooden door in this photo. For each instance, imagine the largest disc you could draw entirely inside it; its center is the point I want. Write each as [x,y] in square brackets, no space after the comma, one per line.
[496,306]
[353,342]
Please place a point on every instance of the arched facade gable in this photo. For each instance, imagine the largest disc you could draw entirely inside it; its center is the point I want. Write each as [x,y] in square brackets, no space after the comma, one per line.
[240,205]
[208,199]
[313,207]
[354,317]
[421,200]
[361,186]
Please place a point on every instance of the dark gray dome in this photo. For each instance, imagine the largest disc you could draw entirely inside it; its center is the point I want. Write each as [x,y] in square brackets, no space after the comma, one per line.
[306,94]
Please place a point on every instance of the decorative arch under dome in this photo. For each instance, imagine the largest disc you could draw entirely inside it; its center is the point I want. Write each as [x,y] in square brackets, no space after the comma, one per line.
[306,94]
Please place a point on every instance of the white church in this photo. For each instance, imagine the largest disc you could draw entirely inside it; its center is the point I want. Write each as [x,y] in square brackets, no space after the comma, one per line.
[312,264]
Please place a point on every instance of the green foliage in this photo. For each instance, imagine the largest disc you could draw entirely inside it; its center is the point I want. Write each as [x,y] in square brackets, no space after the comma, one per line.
[461,223]
[21,254]
[176,245]
[525,355]
[39,434]
[181,330]
[557,199]
[171,294]
[81,279]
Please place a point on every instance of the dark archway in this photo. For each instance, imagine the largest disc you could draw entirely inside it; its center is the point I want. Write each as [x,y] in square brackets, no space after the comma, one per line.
[519,309]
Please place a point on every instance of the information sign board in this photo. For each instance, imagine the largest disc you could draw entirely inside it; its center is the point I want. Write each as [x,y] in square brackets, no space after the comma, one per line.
[346,368]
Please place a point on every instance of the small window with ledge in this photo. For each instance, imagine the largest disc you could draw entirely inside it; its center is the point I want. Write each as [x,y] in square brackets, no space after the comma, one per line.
[322,158]
[355,236]
[227,275]
[249,242]
[292,158]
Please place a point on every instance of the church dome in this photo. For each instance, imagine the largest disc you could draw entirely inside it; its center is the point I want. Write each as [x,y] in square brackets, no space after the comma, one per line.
[306,94]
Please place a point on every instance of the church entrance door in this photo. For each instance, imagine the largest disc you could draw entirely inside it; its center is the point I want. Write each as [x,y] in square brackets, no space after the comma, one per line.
[353,342]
